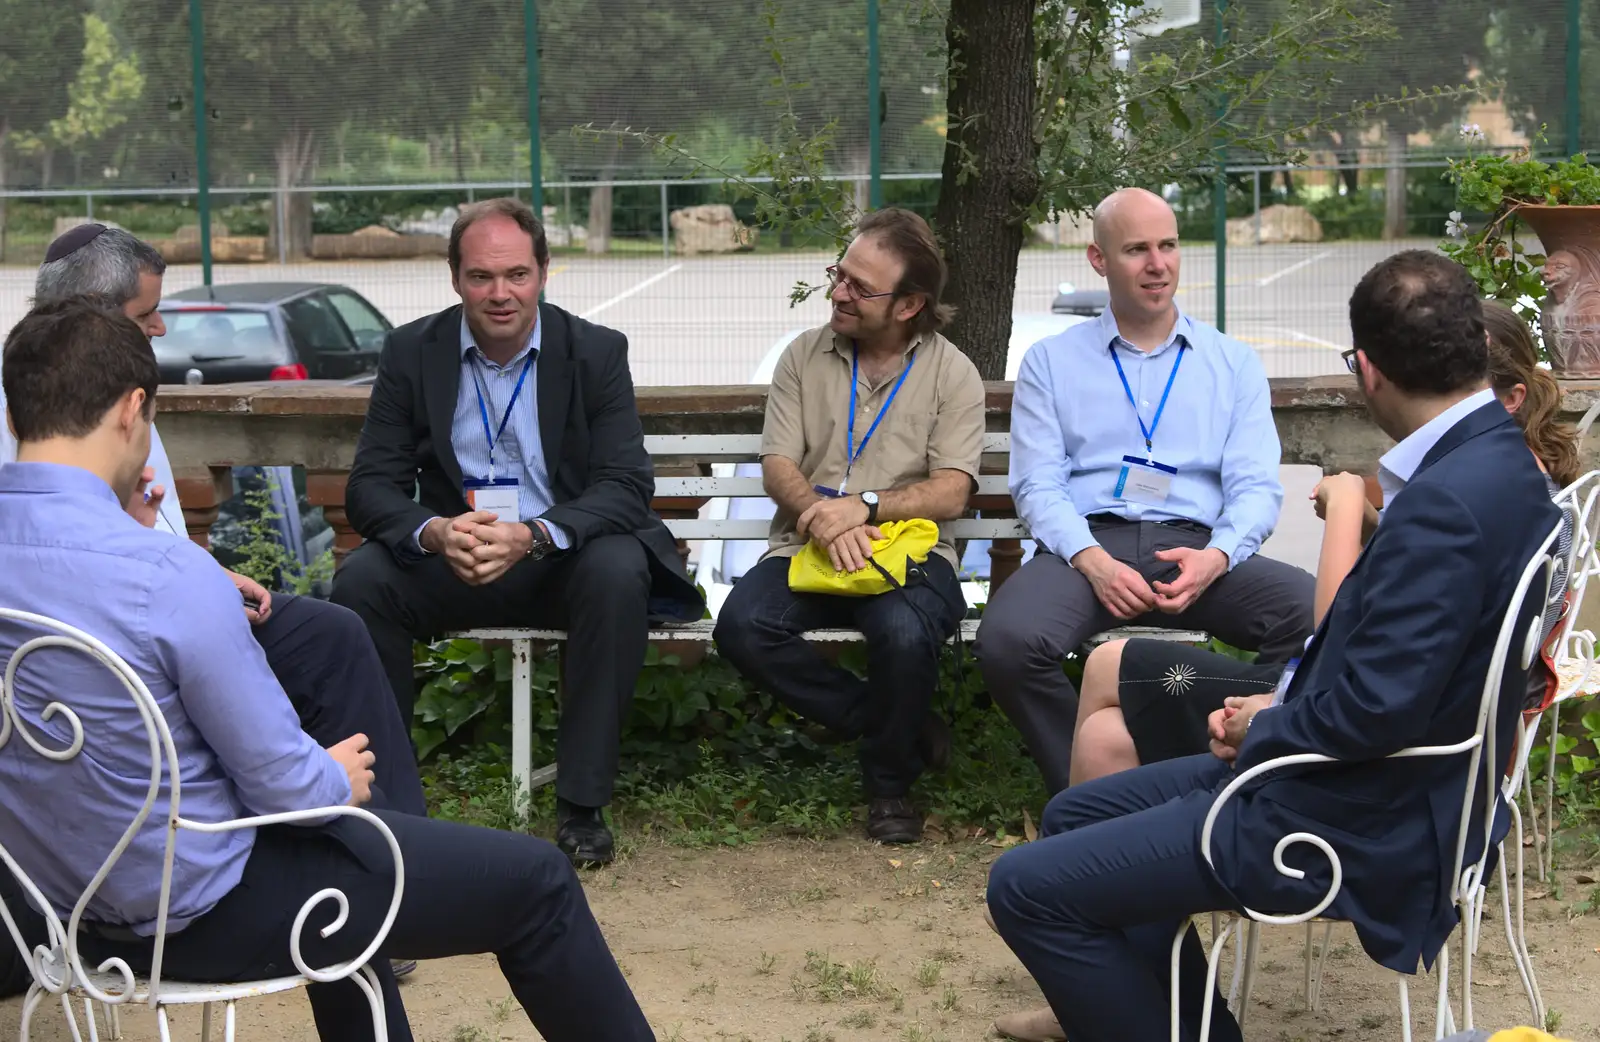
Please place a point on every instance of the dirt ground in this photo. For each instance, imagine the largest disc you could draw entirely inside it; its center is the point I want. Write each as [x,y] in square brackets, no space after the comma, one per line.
[842,941]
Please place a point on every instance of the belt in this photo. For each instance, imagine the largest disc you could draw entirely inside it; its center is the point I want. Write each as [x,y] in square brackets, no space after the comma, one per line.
[107,932]
[1106,518]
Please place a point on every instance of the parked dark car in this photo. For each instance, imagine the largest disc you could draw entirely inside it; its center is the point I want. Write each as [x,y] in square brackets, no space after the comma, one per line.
[269,331]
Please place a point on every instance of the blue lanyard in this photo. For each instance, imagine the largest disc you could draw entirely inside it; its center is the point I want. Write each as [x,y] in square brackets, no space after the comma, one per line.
[851,453]
[1150,431]
[483,410]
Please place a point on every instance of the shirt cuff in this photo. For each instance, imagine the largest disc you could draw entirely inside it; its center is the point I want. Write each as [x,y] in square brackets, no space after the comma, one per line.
[416,539]
[1228,542]
[558,535]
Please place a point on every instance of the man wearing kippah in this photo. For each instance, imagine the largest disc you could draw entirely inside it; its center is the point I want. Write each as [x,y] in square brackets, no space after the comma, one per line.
[319,652]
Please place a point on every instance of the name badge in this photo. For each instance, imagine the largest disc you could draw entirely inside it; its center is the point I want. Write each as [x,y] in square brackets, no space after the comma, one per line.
[498,497]
[1144,481]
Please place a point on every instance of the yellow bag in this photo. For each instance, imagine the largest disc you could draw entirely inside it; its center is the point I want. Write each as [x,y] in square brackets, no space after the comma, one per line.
[904,543]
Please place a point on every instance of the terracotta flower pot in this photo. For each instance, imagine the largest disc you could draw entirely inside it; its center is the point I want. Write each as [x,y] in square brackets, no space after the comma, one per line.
[1570,316]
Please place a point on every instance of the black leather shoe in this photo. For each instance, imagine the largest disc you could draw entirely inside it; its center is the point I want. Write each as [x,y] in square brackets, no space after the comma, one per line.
[582,835]
[402,967]
[893,820]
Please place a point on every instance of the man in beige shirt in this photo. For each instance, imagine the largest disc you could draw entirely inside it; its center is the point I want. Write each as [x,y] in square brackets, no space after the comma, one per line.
[873,417]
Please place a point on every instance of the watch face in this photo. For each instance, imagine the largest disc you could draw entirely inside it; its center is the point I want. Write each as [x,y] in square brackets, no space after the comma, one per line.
[870,498]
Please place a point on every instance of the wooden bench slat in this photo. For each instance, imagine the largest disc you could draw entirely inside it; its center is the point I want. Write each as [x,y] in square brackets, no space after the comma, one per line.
[702,629]
[756,528]
[750,487]
[746,447]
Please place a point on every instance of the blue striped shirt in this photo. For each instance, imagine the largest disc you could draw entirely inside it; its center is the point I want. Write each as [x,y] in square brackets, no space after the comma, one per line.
[520,451]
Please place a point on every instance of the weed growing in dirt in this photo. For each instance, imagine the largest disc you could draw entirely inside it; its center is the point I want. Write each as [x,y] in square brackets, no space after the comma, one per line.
[708,988]
[818,1033]
[869,914]
[950,1001]
[859,1018]
[768,964]
[470,1033]
[831,981]
[1552,1020]
[945,956]
[928,974]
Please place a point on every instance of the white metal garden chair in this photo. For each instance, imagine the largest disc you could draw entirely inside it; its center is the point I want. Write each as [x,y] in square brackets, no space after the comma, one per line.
[1520,634]
[57,965]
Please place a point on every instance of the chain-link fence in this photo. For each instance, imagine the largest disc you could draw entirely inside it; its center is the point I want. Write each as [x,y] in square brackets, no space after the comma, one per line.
[337,138]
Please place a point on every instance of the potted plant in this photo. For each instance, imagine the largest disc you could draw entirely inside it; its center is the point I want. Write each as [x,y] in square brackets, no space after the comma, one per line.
[1560,203]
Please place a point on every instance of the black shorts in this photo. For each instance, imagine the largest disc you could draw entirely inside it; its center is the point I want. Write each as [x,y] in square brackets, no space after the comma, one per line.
[1169,690]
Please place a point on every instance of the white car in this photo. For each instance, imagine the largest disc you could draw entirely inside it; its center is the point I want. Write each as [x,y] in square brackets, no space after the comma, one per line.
[721,562]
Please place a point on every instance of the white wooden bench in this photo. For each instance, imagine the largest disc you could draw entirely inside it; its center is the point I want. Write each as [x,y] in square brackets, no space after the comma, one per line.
[676,451]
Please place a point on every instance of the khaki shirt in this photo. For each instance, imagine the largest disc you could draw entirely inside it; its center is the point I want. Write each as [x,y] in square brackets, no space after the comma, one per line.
[935,423]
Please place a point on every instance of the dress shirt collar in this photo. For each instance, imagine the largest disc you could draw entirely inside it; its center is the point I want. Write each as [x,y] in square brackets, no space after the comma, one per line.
[54,477]
[469,344]
[1110,333]
[843,345]
[1399,464]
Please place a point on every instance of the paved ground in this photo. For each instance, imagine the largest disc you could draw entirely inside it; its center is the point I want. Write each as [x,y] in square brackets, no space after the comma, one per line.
[711,320]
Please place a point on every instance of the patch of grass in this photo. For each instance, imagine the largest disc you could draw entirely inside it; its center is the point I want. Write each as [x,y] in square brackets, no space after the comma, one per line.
[707,988]
[1373,1021]
[916,1033]
[860,1018]
[950,1001]
[1552,1020]
[831,981]
[501,1011]
[945,956]
[818,1033]
[862,978]
[674,1035]
[767,965]
[470,1033]
[869,914]
[813,894]
[928,974]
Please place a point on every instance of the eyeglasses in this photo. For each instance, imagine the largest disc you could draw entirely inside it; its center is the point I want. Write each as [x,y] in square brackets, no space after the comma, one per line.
[1350,361]
[851,286]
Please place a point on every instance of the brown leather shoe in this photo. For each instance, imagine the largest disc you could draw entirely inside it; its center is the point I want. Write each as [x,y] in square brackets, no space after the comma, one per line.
[1037,1025]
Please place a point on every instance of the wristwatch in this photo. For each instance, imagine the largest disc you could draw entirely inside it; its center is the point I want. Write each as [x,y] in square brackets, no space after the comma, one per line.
[871,500]
[541,544]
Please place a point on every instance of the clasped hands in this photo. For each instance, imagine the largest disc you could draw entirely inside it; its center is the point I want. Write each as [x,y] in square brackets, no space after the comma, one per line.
[1228,725]
[839,524]
[478,546]
[1127,595]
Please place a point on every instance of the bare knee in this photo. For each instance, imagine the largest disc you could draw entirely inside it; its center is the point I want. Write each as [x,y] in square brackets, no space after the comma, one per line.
[1103,747]
[1101,672]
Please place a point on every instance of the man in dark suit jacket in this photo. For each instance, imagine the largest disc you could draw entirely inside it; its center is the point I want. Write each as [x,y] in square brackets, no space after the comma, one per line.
[501,480]
[1400,660]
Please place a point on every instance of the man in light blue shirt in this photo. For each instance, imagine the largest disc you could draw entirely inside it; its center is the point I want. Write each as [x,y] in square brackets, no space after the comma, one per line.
[83,381]
[1144,459]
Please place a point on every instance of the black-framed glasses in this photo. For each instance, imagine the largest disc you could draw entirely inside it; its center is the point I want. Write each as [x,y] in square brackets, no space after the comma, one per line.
[1350,361]
[851,286]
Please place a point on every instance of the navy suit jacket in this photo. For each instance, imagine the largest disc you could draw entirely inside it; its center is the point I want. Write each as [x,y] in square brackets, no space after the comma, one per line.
[1399,661]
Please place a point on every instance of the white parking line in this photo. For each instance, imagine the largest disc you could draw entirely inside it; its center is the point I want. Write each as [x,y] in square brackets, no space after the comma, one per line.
[630,291]
[1268,280]
[1305,338]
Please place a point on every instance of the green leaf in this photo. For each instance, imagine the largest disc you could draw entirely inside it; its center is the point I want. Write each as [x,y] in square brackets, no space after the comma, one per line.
[1136,116]
[1582,765]
[1180,118]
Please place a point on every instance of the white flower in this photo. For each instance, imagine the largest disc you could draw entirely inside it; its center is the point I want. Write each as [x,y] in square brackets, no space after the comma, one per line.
[1472,132]
[1455,227]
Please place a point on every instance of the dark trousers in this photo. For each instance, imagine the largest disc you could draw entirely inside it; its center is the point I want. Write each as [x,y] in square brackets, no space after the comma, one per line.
[468,890]
[759,630]
[322,656]
[1092,907]
[1048,609]
[599,594]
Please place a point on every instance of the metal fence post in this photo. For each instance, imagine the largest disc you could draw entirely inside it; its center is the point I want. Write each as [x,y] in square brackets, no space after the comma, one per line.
[666,248]
[530,47]
[1574,77]
[874,111]
[1219,188]
[1255,189]
[197,52]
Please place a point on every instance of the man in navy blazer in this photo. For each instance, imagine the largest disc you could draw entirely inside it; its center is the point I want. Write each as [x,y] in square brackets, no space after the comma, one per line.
[1091,909]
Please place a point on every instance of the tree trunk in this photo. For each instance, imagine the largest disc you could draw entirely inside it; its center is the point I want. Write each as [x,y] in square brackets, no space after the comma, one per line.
[982,214]
[1349,161]
[294,155]
[599,219]
[1394,185]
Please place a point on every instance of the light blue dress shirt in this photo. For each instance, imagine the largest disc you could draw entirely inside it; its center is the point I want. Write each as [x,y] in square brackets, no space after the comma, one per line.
[1071,424]
[520,451]
[68,551]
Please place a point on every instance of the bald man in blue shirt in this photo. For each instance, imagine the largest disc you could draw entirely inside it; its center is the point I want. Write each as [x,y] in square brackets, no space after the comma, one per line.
[1144,459]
